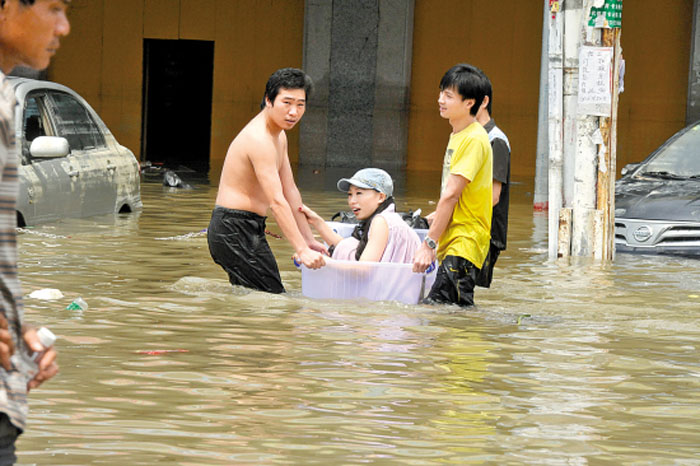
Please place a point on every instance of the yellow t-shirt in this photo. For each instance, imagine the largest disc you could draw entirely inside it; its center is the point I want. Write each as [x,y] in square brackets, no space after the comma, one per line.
[467,235]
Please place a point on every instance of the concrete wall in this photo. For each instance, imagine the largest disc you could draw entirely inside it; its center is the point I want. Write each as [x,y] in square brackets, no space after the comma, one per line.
[693,108]
[656,40]
[376,65]
[392,83]
[359,54]
[102,58]
[503,39]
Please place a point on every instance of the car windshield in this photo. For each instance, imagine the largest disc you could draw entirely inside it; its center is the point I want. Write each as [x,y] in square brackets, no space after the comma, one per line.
[679,159]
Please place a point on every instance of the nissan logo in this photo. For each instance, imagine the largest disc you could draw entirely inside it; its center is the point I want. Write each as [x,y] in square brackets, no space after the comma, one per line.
[642,233]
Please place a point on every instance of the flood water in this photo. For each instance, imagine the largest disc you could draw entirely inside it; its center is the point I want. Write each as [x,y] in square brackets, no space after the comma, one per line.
[562,363]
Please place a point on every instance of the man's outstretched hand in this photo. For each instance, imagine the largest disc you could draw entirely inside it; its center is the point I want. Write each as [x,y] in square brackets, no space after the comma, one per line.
[312,259]
[47,362]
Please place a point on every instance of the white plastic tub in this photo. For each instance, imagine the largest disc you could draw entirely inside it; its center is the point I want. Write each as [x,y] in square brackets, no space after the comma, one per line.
[373,281]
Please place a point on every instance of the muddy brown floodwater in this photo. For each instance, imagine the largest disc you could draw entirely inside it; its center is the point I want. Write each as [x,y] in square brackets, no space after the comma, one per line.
[565,362]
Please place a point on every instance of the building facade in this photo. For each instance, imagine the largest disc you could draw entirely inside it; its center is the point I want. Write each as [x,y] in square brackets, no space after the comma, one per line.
[175,80]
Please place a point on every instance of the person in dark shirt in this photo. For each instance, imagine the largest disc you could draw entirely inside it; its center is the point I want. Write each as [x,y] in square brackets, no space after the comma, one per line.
[501,190]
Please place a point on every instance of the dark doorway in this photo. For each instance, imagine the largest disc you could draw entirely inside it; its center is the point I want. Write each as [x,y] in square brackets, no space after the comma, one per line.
[177,95]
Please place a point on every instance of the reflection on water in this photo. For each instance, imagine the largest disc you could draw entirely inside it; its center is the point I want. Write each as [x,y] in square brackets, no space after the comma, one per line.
[561,363]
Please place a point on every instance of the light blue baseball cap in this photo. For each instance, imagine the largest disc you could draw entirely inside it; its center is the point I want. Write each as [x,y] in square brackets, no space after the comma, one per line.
[369,178]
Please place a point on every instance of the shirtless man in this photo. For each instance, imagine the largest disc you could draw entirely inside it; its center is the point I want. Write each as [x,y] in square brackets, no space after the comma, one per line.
[257,176]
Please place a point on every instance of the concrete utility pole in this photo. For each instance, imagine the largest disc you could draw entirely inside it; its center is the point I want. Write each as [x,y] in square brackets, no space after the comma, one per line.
[540,201]
[584,66]
[555,129]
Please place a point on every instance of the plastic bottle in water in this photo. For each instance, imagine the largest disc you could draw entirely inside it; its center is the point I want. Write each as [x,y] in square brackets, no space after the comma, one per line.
[26,363]
[78,304]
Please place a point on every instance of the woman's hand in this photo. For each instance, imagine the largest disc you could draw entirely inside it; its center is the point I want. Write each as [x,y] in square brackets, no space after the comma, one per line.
[312,217]
[318,246]
[329,236]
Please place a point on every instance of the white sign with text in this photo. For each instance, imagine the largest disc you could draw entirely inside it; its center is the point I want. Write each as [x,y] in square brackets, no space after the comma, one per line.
[595,81]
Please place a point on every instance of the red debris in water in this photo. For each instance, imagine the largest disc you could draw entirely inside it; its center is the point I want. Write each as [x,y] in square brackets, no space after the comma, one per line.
[162,351]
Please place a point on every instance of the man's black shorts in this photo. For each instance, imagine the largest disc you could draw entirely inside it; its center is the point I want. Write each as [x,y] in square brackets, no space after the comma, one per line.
[454,282]
[485,275]
[237,243]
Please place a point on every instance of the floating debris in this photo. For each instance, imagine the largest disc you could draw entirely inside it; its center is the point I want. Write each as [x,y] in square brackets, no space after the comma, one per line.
[194,234]
[173,180]
[162,351]
[46,293]
[40,233]
[78,304]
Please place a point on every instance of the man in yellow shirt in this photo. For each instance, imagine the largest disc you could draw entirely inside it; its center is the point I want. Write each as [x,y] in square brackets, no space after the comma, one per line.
[459,233]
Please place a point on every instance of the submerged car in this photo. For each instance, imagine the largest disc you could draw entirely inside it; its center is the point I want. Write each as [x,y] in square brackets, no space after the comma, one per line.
[657,202]
[70,163]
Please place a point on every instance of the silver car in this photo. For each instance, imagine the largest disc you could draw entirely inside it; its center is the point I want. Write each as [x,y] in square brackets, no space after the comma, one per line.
[71,164]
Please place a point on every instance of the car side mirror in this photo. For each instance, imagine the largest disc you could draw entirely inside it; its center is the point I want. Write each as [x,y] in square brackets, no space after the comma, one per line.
[49,147]
[628,168]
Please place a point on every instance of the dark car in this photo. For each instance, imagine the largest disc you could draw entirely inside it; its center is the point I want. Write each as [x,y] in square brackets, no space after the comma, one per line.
[71,164]
[657,202]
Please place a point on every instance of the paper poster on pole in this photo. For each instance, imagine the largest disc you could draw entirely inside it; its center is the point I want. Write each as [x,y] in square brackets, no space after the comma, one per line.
[595,81]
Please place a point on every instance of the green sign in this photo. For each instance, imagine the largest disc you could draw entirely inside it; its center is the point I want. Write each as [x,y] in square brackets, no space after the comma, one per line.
[607,16]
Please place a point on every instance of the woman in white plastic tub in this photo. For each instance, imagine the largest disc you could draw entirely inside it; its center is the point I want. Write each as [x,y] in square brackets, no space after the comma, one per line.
[381,235]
